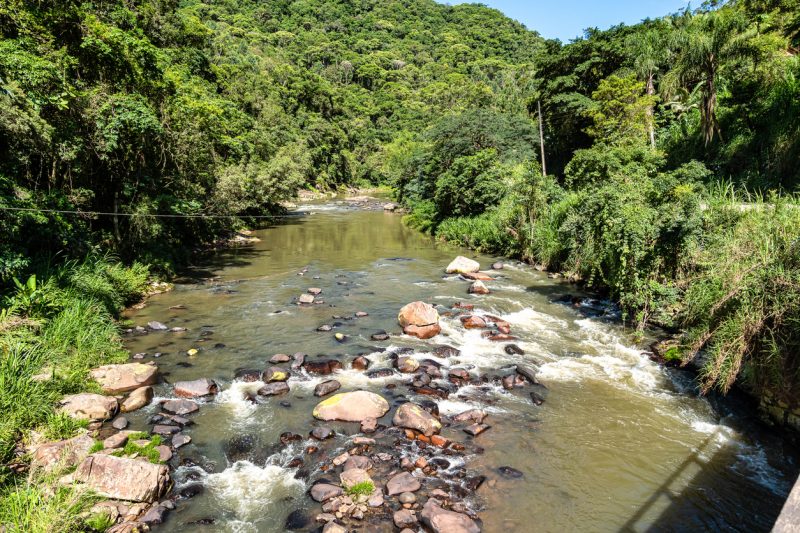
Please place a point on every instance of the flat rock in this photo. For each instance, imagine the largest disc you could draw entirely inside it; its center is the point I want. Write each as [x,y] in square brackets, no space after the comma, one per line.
[116,379]
[528,372]
[462,265]
[117,440]
[442,521]
[476,429]
[157,326]
[63,453]
[327,387]
[412,416]
[322,492]
[477,276]
[352,407]
[473,415]
[404,518]
[305,299]
[119,423]
[322,433]
[88,406]
[180,439]
[137,399]
[274,389]
[322,367]
[403,482]
[180,407]
[196,388]
[121,478]
[275,373]
[358,461]
[279,358]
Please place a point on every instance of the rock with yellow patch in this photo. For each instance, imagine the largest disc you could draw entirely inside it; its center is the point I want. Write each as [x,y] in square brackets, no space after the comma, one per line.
[274,373]
[412,416]
[352,407]
[116,379]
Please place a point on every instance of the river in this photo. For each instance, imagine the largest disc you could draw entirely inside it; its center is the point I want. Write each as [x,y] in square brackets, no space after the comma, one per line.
[620,444]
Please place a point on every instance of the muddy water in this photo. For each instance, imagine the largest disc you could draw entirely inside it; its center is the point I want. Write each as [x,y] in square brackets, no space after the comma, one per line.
[619,445]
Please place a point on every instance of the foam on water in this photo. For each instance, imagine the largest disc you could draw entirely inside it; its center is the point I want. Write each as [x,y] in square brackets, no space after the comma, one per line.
[235,399]
[246,490]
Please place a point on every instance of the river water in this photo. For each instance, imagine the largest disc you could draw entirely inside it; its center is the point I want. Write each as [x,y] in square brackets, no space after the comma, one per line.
[620,444]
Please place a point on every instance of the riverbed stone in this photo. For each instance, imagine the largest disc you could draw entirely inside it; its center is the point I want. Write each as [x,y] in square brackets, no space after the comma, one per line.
[117,440]
[404,518]
[120,423]
[406,364]
[116,379]
[322,367]
[478,287]
[322,433]
[477,276]
[440,520]
[403,482]
[157,326]
[462,264]
[180,439]
[274,389]
[137,399]
[473,322]
[88,406]
[413,416]
[420,320]
[64,453]
[352,407]
[358,461]
[353,476]
[513,349]
[528,372]
[476,429]
[360,363]
[180,407]
[333,527]
[327,387]
[305,299]
[122,478]
[275,373]
[472,415]
[322,492]
[369,425]
[196,388]
[279,358]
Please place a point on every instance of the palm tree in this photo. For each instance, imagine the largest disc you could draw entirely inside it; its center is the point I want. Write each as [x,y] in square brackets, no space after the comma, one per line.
[707,42]
[649,51]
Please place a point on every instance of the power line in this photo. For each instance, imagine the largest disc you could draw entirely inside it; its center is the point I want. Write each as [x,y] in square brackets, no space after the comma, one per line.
[102,213]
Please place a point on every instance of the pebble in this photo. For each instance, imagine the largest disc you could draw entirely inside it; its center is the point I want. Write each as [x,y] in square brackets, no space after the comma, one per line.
[120,423]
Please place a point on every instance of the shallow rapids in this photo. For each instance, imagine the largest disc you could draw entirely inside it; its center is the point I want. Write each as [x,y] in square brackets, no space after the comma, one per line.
[620,444]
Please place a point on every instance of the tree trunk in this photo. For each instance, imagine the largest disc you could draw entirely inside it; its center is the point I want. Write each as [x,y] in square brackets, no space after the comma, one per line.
[651,91]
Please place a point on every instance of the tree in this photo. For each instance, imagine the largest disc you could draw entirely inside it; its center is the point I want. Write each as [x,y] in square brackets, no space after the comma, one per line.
[649,51]
[707,42]
[622,113]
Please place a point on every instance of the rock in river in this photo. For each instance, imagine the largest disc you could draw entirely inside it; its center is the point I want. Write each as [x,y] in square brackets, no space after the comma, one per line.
[327,387]
[462,264]
[197,388]
[274,389]
[322,492]
[322,367]
[274,373]
[137,399]
[419,320]
[180,407]
[478,288]
[404,482]
[115,379]
[442,521]
[412,416]
[352,407]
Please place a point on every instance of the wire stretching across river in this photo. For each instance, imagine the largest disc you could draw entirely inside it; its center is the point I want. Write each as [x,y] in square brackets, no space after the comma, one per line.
[101,213]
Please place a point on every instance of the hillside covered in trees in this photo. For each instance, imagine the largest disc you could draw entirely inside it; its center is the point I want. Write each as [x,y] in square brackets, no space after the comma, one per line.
[671,147]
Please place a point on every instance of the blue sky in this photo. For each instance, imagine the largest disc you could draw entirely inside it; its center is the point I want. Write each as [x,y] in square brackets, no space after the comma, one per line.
[566,19]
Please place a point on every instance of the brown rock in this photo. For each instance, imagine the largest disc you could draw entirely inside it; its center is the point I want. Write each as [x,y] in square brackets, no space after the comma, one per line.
[123,479]
[478,288]
[476,429]
[89,406]
[322,367]
[360,363]
[63,453]
[420,320]
[116,379]
[369,425]
[327,387]
[473,322]
[180,407]
[461,265]
[442,521]
[197,388]
[412,416]
[477,276]
[137,399]
[401,483]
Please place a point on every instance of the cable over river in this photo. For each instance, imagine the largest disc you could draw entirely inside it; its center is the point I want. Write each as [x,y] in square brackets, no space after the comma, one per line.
[616,442]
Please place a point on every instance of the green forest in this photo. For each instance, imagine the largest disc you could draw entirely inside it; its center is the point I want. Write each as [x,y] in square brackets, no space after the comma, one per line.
[672,154]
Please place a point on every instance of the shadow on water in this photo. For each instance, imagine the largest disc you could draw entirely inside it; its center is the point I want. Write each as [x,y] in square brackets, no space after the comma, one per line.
[698,496]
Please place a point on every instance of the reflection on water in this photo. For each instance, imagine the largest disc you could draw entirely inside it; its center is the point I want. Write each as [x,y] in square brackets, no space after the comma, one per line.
[619,444]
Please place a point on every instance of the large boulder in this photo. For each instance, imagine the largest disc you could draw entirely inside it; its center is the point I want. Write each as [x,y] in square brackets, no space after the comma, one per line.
[87,406]
[412,416]
[122,478]
[116,379]
[64,453]
[462,265]
[137,399]
[443,521]
[419,320]
[197,388]
[352,407]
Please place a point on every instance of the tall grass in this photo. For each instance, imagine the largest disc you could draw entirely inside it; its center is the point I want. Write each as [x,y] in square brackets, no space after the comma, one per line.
[55,327]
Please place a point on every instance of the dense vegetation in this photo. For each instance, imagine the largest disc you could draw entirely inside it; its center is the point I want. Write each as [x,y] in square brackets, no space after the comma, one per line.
[671,149]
